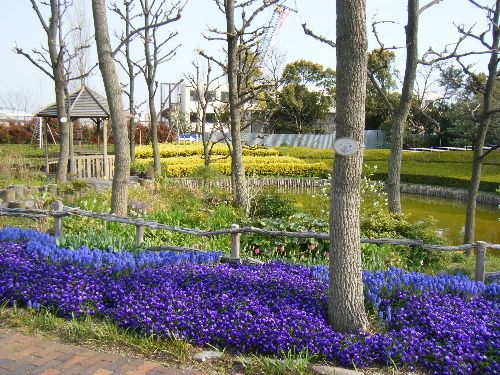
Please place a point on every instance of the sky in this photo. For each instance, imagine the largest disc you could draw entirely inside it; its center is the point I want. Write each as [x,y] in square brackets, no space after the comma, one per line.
[19,26]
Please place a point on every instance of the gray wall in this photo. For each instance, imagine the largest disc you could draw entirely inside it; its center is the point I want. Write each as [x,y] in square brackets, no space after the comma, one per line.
[373,139]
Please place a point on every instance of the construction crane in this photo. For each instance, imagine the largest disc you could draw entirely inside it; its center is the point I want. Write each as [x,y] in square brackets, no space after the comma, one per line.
[278,18]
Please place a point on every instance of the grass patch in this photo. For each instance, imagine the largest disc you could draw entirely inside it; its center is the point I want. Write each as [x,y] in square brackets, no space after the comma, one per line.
[289,363]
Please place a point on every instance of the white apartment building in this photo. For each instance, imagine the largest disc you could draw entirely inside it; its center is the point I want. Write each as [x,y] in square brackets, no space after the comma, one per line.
[185,98]
[189,103]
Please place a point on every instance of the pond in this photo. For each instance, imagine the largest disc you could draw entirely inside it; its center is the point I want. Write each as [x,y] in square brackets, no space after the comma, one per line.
[450,217]
[449,214]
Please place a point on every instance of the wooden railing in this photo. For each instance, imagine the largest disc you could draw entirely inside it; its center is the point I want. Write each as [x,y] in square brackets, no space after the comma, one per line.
[90,166]
[93,166]
[59,211]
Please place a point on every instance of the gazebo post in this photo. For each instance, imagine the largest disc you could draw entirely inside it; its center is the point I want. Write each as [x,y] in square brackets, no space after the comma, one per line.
[71,150]
[98,123]
[46,143]
[105,149]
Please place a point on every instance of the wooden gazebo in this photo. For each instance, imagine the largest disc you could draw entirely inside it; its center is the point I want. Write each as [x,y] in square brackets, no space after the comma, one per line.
[84,103]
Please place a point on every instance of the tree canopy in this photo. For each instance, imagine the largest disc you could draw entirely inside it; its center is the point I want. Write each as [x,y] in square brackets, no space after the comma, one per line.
[305,97]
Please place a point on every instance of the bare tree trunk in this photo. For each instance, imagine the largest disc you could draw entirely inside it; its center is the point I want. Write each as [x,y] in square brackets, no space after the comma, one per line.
[154,130]
[62,165]
[401,114]
[240,191]
[150,77]
[346,301]
[132,130]
[470,216]
[484,122]
[57,59]
[113,89]
[132,75]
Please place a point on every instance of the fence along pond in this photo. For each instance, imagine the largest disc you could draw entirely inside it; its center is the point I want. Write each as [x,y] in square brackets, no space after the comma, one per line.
[59,211]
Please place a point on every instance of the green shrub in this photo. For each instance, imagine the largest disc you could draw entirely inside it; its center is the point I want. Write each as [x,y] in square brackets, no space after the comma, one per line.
[305,250]
[271,204]
[206,172]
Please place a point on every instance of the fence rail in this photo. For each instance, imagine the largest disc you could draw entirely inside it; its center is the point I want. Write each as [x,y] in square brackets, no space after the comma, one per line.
[59,211]
[90,166]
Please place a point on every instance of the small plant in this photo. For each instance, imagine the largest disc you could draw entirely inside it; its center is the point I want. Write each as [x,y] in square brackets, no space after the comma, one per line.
[206,172]
[289,363]
[306,250]
[271,204]
[137,208]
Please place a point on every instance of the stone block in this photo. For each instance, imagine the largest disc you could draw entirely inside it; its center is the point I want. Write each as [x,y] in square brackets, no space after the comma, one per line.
[16,204]
[330,370]
[208,355]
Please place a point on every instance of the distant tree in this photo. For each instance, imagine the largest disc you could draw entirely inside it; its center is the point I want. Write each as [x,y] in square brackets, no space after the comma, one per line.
[81,40]
[304,72]
[380,64]
[484,87]
[53,66]
[305,98]
[205,85]
[126,37]
[241,65]
[153,14]
[401,111]
[298,110]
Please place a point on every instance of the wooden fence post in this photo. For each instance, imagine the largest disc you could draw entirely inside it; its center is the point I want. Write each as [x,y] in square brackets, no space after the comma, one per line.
[57,206]
[480,260]
[235,242]
[139,234]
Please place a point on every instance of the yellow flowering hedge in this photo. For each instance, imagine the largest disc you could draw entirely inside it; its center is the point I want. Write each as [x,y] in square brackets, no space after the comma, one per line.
[254,165]
[169,150]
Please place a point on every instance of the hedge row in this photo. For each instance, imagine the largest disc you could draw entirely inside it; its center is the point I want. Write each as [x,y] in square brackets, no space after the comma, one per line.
[271,165]
[383,155]
[168,150]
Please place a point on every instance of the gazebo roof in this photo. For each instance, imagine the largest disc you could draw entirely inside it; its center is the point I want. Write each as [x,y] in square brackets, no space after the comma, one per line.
[83,103]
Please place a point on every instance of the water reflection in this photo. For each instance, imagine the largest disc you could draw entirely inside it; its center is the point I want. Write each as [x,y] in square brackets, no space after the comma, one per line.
[450,217]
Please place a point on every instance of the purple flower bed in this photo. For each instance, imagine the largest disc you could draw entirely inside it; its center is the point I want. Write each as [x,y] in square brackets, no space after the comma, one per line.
[445,324]
[43,246]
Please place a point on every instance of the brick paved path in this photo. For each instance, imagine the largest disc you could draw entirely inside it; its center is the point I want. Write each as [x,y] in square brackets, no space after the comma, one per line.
[21,354]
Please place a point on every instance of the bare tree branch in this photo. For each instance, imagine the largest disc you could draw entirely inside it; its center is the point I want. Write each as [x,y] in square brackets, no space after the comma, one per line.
[318,37]
[211,58]
[143,28]
[39,15]
[428,5]
[19,51]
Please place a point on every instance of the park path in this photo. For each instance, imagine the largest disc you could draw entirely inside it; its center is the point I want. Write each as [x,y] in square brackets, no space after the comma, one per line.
[31,355]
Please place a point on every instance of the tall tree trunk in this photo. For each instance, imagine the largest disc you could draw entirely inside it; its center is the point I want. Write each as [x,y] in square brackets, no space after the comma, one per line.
[133,127]
[484,122]
[131,96]
[56,54]
[346,309]
[62,165]
[113,89]
[401,114]
[154,130]
[150,72]
[240,190]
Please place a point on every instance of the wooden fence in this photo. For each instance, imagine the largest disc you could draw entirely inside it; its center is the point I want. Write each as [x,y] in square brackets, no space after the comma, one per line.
[283,184]
[90,166]
[59,211]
